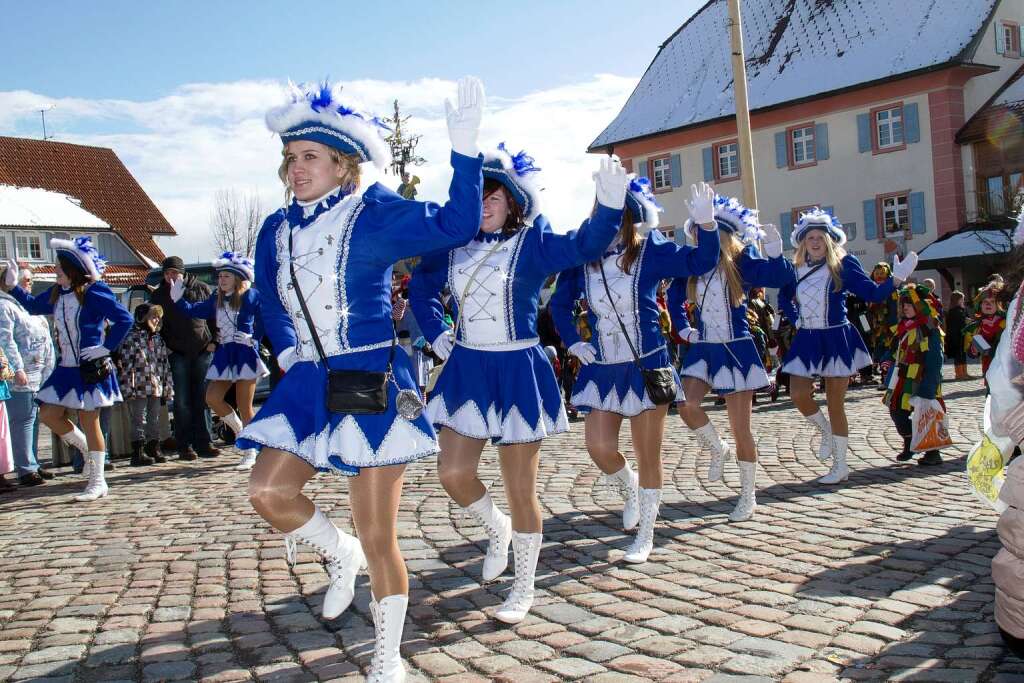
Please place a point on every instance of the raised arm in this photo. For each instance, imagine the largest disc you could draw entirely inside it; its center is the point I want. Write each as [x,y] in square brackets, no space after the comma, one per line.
[857,281]
[36,305]
[201,309]
[670,260]
[759,271]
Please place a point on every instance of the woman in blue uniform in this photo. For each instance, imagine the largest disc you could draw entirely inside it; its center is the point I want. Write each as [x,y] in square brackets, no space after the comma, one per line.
[621,291]
[81,305]
[498,384]
[348,402]
[236,361]
[826,344]
[722,354]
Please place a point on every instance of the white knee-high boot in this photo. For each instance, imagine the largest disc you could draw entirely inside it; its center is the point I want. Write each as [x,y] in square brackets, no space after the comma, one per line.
[650,500]
[745,506]
[499,534]
[720,451]
[96,487]
[819,420]
[526,548]
[343,558]
[840,471]
[248,460]
[76,439]
[233,421]
[388,621]
[628,483]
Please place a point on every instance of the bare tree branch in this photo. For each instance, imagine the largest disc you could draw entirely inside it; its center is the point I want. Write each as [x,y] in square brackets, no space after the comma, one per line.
[236,220]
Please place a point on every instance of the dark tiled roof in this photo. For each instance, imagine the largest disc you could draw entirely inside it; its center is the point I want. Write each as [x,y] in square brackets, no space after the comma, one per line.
[114,274]
[95,176]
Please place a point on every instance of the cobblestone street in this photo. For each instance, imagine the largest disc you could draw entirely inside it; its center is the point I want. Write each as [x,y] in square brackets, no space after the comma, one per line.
[174,577]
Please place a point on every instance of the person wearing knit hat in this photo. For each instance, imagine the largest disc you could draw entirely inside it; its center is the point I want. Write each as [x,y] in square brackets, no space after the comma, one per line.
[826,345]
[983,332]
[723,356]
[236,362]
[348,403]
[82,306]
[621,288]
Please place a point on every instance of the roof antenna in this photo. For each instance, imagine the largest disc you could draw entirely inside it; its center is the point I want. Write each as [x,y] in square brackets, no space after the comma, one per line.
[42,115]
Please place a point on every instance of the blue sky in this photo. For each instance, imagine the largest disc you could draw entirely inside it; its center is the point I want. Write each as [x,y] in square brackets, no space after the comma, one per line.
[178,88]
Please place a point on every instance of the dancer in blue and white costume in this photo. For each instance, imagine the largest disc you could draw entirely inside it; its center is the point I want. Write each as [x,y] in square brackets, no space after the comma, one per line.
[722,355]
[498,383]
[826,344]
[341,240]
[610,386]
[82,306]
[236,362]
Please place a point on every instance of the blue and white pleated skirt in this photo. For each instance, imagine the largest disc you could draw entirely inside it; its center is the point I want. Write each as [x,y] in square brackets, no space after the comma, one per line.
[295,419]
[837,351]
[232,362]
[64,387]
[619,387]
[508,397]
[727,367]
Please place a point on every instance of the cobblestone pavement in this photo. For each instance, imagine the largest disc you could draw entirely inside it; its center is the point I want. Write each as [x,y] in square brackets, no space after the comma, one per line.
[884,578]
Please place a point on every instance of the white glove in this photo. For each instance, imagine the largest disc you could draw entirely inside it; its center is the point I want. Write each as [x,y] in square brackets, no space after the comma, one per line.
[286,359]
[772,241]
[443,345]
[464,121]
[901,270]
[242,338]
[94,352]
[612,183]
[584,351]
[691,335]
[177,289]
[11,276]
[701,204]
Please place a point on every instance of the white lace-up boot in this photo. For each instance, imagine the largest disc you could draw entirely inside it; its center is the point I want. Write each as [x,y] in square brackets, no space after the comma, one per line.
[76,439]
[342,555]
[644,541]
[499,534]
[840,471]
[233,421]
[248,460]
[526,548]
[388,622]
[96,487]
[628,484]
[720,452]
[827,447]
[745,506]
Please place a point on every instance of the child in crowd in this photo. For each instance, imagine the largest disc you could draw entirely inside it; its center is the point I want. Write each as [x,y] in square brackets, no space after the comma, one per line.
[144,373]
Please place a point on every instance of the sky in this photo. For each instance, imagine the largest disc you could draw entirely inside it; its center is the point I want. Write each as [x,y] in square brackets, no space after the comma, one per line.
[179,88]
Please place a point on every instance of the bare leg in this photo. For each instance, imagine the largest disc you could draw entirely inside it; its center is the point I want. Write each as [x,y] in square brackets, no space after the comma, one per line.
[457,467]
[738,405]
[801,390]
[90,421]
[374,496]
[519,464]
[648,429]
[56,418]
[601,433]
[275,489]
[835,396]
[215,391]
[245,391]
[691,411]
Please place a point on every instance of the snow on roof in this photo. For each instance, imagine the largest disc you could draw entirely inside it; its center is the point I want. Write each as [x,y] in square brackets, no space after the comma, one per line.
[967,243]
[28,207]
[1013,94]
[794,49]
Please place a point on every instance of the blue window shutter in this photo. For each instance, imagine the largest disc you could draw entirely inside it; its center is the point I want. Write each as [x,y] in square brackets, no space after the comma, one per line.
[911,125]
[870,219]
[1000,39]
[640,168]
[917,222]
[821,141]
[709,164]
[863,133]
[677,171]
[786,228]
[781,151]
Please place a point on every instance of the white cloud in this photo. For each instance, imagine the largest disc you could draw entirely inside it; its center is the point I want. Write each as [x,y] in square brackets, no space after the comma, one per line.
[204,137]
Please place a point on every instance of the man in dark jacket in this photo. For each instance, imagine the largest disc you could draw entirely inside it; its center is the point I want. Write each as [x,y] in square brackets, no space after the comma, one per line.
[191,343]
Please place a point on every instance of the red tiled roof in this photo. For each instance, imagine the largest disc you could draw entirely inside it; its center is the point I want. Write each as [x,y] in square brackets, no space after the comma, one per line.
[94,175]
[114,275]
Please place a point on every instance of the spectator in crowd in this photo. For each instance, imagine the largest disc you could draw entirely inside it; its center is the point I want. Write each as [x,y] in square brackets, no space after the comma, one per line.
[6,452]
[144,373]
[25,340]
[190,342]
[956,320]
[25,278]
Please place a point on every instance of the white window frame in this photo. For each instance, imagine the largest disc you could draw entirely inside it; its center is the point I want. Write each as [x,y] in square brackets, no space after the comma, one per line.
[1011,39]
[893,122]
[729,154]
[29,236]
[4,246]
[661,173]
[896,205]
[805,143]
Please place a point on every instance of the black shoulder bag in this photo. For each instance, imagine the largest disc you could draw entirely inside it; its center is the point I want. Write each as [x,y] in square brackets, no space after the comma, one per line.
[659,382]
[357,392]
[92,371]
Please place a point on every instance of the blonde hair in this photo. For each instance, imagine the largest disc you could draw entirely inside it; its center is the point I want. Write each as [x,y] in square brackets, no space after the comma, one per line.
[241,287]
[731,248]
[833,259]
[348,163]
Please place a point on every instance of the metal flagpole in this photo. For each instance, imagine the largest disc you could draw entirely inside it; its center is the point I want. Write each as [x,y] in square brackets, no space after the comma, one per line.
[739,79]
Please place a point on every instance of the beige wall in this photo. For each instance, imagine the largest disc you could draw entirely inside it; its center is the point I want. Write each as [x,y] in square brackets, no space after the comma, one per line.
[979,90]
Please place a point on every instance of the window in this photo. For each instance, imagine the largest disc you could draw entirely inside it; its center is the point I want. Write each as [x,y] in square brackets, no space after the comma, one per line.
[29,247]
[4,254]
[727,156]
[895,214]
[799,210]
[801,146]
[1011,39]
[999,193]
[995,197]
[661,173]
[888,124]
